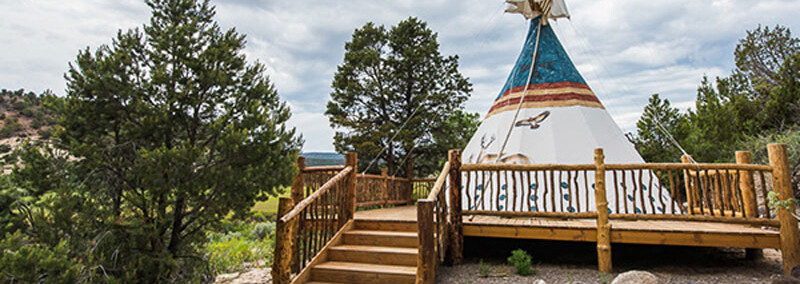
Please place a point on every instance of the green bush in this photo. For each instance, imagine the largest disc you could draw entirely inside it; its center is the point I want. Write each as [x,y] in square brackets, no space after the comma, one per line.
[26,262]
[263,230]
[238,243]
[521,260]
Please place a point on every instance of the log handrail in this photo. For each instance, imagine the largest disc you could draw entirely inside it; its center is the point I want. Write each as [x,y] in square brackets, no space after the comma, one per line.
[314,196]
[585,167]
[323,169]
[439,182]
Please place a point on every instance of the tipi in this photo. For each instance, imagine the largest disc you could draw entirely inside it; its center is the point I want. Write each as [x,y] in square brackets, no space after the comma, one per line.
[546,113]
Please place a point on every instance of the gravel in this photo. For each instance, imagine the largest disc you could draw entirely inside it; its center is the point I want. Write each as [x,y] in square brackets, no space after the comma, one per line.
[570,262]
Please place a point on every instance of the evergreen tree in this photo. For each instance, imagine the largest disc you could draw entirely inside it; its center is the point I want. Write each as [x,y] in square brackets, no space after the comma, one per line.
[170,129]
[389,76]
[651,140]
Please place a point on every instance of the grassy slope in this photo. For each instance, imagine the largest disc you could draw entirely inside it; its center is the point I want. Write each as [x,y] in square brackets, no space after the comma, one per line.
[270,205]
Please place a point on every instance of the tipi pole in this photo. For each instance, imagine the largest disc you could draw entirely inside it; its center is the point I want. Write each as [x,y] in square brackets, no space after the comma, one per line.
[524,92]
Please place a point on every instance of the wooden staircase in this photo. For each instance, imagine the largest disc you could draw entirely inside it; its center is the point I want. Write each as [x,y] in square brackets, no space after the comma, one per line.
[370,252]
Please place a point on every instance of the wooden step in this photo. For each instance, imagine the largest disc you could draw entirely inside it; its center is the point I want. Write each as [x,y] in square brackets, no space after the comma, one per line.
[363,273]
[379,225]
[374,254]
[381,238]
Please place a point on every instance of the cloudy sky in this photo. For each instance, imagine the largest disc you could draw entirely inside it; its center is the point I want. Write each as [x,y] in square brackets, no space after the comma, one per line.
[626,49]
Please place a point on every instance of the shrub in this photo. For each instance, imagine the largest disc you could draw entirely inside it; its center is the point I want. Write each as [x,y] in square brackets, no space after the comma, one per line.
[230,250]
[263,230]
[26,262]
[521,260]
[484,269]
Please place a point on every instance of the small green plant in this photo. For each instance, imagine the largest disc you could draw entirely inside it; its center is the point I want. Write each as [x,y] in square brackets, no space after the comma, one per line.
[604,278]
[484,270]
[521,260]
[776,203]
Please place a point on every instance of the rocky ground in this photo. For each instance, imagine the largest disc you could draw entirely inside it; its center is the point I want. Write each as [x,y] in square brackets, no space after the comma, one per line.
[250,274]
[569,262]
[564,262]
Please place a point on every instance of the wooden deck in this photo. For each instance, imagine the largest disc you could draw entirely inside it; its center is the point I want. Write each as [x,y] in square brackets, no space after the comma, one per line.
[682,233]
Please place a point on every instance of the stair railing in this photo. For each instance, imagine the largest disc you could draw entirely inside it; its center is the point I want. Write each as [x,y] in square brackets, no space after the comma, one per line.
[433,228]
[305,228]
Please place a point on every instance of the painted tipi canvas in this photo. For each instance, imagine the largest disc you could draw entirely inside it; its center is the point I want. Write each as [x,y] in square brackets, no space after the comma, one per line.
[547,114]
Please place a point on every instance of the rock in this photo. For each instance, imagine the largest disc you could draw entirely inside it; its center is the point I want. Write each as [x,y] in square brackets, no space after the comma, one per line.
[636,277]
[796,272]
[539,281]
[786,280]
[253,276]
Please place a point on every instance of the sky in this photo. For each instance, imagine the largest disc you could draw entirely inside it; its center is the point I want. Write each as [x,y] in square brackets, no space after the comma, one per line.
[625,49]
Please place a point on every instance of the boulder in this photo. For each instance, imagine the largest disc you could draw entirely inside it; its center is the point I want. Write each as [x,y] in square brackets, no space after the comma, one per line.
[539,281]
[636,277]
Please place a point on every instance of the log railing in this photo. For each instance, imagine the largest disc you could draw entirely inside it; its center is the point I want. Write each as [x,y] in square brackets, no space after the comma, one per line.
[728,193]
[713,192]
[371,190]
[433,228]
[422,187]
[305,228]
[374,190]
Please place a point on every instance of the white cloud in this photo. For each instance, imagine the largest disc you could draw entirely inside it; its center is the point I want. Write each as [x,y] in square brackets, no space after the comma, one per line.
[626,49]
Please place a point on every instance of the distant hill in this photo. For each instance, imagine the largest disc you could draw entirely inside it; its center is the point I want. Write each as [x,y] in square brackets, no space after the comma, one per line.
[22,115]
[323,159]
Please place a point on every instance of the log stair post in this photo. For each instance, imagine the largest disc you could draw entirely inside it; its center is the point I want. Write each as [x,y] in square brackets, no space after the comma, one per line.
[782,184]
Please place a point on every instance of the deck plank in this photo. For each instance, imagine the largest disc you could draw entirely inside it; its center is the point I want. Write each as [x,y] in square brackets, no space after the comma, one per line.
[623,231]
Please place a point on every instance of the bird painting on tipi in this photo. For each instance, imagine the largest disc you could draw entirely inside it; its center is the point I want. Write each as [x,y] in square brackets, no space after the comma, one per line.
[546,113]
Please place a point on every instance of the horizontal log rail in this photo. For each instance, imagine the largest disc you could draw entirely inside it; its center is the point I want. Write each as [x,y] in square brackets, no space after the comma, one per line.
[439,185]
[582,167]
[323,169]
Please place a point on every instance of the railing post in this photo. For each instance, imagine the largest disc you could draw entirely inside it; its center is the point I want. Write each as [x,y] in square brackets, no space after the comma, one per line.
[349,208]
[284,237]
[747,186]
[686,159]
[426,255]
[782,184]
[603,227]
[298,189]
[456,221]
[409,190]
[385,187]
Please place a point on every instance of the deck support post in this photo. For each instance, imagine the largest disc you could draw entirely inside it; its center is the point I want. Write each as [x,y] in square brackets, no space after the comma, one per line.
[456,220]
[385,185]
[349,208]
[603,227]
[298,188]
[284,237]
[782,184]
[747,185]
[426,256]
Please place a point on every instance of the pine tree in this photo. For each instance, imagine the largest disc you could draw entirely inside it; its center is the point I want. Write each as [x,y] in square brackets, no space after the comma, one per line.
[388,77]
[171,129]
